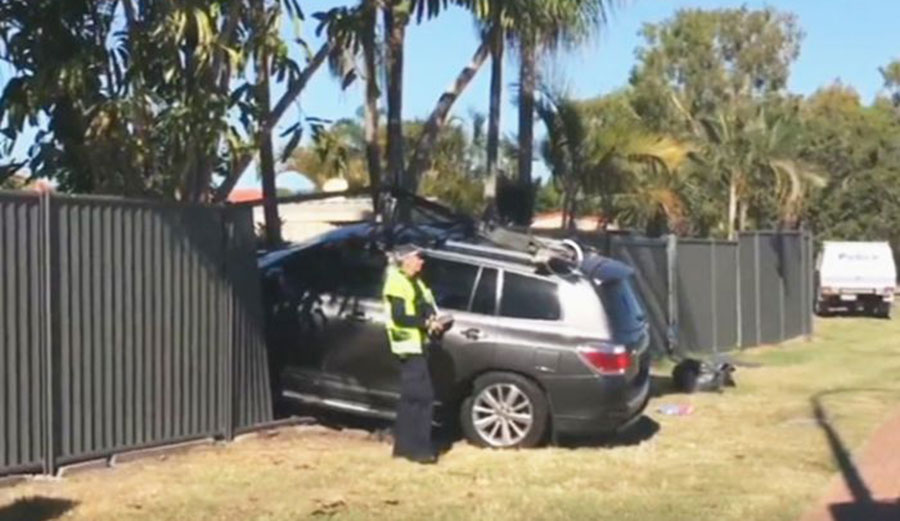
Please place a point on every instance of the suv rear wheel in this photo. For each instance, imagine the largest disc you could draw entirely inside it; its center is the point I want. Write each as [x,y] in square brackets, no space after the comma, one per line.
[505,410]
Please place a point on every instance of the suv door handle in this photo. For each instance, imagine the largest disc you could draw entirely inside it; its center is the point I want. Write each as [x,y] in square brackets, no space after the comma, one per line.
[473,333]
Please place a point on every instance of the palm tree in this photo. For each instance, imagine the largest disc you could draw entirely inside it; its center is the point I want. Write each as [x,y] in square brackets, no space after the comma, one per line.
[590,154]
[557,23]
[336,151]
[527,25]
[750,151]
[353,33]
[772,158]
[396,17]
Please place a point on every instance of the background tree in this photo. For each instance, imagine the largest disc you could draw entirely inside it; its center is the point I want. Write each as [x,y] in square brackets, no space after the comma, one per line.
[597,150]
[704,74]
[143,98]
[859,148]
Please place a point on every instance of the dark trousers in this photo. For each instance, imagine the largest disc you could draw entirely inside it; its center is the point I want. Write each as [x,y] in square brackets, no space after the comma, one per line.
[412,432]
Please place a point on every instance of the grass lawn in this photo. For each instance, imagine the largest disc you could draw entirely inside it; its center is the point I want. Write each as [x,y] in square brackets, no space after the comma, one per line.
[753,453]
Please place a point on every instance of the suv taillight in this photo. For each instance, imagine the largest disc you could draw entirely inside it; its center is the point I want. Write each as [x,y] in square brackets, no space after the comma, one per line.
[606,359]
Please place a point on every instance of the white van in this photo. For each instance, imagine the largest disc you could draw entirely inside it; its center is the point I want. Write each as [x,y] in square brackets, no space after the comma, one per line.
[857,276]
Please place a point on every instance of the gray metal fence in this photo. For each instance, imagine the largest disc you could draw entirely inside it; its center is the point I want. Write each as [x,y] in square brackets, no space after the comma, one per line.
[708,296]
[125,325]
[22,334]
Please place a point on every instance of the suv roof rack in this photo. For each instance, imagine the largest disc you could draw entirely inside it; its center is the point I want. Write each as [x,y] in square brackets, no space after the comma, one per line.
[560,257]
[492,252]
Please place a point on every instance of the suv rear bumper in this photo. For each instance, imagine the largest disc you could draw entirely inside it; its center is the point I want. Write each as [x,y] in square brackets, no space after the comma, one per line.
[616,403]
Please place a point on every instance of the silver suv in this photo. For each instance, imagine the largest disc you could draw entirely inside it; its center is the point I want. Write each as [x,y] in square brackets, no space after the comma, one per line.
[532,349]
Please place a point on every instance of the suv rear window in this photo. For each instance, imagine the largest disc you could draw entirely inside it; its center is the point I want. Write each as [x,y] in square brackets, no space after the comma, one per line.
[621,304]
[529,297]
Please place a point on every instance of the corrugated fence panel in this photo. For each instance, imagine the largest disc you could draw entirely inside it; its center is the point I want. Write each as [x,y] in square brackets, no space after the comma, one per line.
[771,290]
[154,320]
[749,295]
[809,269]
[695,280]
[726,273]
[794,299]
[253,399]
[140,332]
[21,334]
[650,261]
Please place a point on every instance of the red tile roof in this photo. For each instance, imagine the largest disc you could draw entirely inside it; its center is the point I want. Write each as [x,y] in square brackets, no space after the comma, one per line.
[239,195]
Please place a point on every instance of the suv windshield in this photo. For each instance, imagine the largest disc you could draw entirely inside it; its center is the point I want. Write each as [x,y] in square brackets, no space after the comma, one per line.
[622,306]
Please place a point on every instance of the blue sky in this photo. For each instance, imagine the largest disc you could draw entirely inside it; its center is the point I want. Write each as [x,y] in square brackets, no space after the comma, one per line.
[844,40]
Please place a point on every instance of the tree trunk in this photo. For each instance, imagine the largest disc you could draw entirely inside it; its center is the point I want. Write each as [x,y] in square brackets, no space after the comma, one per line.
[742,216]
[732,206]
[264,139]
[564,209]
[270,119]
[527,86]
[493,136]
[395,30]
[428,138]
[573,210]
[373,150]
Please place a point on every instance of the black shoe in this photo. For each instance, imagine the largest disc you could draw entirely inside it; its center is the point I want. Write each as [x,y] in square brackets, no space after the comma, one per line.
[425,460]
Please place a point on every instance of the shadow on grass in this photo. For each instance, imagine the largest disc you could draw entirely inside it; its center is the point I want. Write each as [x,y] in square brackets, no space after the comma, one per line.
[662,385]
[36,509]
[849,313]
[640,431]
[863,507]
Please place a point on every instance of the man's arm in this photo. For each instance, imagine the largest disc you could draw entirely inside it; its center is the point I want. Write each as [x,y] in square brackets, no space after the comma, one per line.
[399,316]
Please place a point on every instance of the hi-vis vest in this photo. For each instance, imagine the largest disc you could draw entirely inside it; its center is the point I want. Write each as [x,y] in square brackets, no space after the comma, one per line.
[404,340]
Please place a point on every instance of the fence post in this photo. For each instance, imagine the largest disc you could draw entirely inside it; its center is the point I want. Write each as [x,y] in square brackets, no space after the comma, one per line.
[738,305]
[810,283]
[713,289]
[672,291]
[756,296]
[228,331]
[49,384]
[779,236]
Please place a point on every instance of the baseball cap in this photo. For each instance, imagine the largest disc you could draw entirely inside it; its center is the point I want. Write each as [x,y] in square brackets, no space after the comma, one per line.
[405,250]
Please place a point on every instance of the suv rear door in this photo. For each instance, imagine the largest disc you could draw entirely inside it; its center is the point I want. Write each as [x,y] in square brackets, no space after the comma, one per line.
[469,293]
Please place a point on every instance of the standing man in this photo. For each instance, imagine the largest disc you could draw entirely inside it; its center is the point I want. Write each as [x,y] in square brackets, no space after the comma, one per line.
[411,318]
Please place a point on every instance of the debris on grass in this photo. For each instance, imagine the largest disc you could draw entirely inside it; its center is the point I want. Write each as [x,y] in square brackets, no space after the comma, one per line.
[673,409]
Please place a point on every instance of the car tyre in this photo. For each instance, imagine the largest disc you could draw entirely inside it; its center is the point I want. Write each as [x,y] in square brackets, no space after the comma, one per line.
[505,410]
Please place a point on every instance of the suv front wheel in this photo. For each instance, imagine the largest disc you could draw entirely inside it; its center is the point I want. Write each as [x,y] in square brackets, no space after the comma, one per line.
[505,410]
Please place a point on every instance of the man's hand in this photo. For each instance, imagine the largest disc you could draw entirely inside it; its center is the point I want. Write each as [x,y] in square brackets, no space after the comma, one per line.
[438,325]
[433,325]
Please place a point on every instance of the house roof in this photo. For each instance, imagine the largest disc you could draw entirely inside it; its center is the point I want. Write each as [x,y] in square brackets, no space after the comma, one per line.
[240,195]
[549,220]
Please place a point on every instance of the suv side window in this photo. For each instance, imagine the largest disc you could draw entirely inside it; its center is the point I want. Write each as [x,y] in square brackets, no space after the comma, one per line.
[529,297]
[450,281]
[485,299]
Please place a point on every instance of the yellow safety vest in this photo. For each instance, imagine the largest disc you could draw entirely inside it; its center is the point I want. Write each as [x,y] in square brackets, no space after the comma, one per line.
[404,340]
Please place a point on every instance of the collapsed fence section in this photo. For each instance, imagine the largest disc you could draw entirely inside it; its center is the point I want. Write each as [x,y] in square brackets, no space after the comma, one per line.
[140,323]
[706,296]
